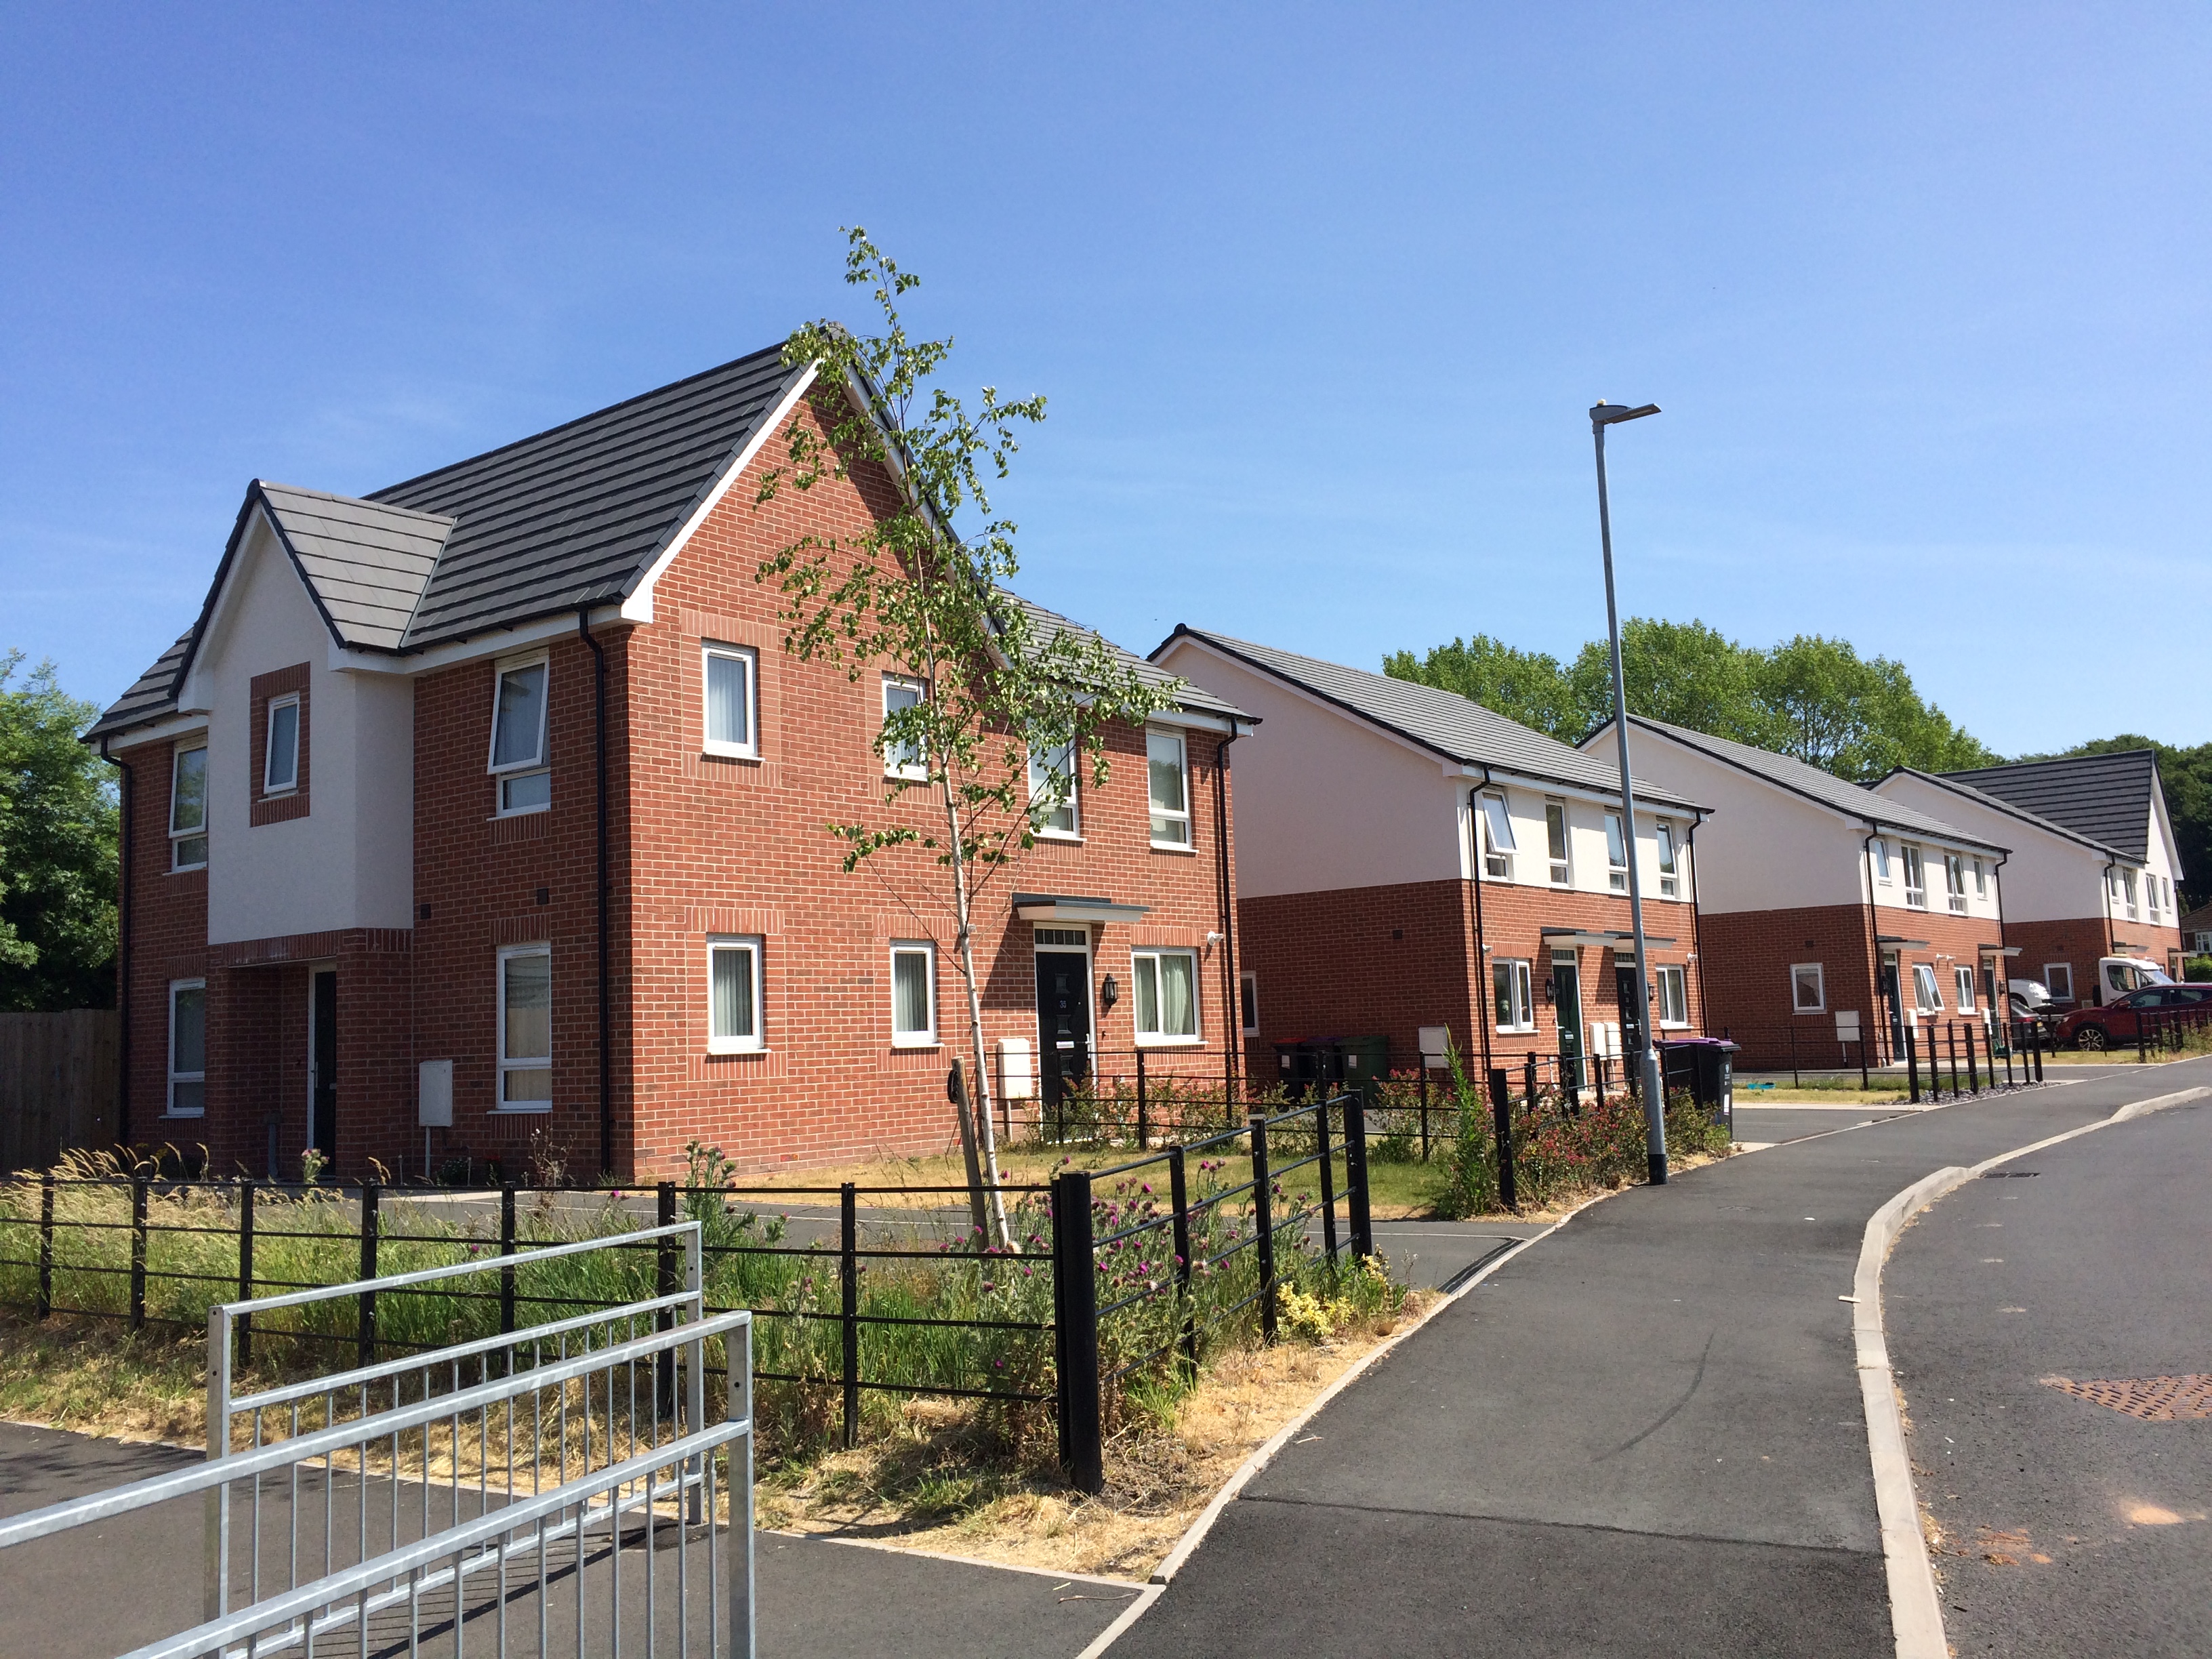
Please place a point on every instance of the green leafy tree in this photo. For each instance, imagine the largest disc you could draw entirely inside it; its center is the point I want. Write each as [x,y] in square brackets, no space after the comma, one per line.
[57,826]
[916,595]
[1528,686]
[1856,717]
[1684,673]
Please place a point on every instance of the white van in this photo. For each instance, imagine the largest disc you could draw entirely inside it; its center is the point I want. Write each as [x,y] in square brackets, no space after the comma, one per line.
[2117,976]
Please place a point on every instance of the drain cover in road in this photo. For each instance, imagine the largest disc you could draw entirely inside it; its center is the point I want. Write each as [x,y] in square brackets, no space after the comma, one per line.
[2154,1399]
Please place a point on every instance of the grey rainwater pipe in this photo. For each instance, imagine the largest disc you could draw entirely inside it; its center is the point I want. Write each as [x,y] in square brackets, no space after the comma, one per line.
[1481,967]
[1696,920]
[122,945]
[599,770]
[1874,943]
[1233,1000]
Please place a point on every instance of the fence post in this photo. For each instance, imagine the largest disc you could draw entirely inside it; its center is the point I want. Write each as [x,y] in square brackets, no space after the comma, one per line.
[507,1247]
[1424,1113]
[1973,1068]
[1141,1101]
[848,1291]
[1179,1202]
[45,1244]
[1355,1174]
[1529,1083]
[1328,1180]
[1794,1082]
[1911,1068]
[366,1338]
[1075,1332]
[137,1252]
[245,1321]
[2035,1052]
[1501,1114]
[1263,1224]
[1951,1047]
[2142,1054]
[664,1283]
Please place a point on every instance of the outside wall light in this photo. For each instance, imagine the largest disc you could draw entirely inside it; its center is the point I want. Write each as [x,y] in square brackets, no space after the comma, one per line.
[1110,994]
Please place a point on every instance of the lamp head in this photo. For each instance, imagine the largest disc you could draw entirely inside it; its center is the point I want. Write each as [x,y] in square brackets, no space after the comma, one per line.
[1603,414]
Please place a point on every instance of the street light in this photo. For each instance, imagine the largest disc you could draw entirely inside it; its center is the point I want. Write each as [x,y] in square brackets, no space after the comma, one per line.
[1603,415]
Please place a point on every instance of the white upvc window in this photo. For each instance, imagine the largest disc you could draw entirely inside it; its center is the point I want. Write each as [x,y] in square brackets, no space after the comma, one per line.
[188,838]
[913,993]
[2127,886]
[1616,854]
[1498,843]
[1954,882]
[187,1048]
[1962,986]
[1247,995]
[518,738]
[1555,842]
[1881,851]
[1167,995]
[733,995]
[1915,877]
[526,1029]
[1925,996]
[1671,885]
[2058,980]
[1809,987]
[1981,879]
[1054,812]
[1509,984]
[1168,785]
[1674,995]
[280,763]
[903,756]
[729,678]
[2150,897]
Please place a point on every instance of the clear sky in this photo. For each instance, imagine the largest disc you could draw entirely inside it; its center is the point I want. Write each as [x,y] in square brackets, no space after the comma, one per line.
[1319,296]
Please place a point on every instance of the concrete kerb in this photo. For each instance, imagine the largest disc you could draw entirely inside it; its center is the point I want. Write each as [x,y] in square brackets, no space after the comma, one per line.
[1915,1611]
[1266,1453]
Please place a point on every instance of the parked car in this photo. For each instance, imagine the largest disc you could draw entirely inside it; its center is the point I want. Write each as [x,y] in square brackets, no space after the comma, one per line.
[2120,1022]
[2029,1007]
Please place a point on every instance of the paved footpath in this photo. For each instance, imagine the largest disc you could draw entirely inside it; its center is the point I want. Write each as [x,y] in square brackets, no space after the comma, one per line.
[1641,1435]
[2070,1528]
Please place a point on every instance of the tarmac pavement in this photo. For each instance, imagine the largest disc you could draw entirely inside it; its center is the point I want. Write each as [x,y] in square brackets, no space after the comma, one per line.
[1642,1436]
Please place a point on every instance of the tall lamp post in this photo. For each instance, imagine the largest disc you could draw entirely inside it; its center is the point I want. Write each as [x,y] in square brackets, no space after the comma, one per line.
[1603,415]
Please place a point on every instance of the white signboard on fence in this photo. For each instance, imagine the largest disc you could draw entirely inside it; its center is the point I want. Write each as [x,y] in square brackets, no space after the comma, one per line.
[1847,1026]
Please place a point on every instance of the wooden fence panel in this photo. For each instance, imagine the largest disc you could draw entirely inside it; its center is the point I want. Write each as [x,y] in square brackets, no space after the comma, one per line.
[58,1084]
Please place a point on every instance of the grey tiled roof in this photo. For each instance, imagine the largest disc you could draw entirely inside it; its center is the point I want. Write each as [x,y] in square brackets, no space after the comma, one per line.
[365,561]
[152,695]
[1443,721]
[2105,798]
[1998,804]
[1795,776]
[1193,697]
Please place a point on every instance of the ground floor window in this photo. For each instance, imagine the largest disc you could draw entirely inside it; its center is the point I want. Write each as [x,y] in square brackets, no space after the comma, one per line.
[733,995]
[1926,997]
[1808,990]
[187,1048]
[2058,980]
[913,993]
[526,1028]
[1248,992]
[1963,986]
[1510,981]
[1674,995]
[1167,995]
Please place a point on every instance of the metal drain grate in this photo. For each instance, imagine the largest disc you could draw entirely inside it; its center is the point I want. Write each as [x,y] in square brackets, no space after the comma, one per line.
[2154,1399]
[2012,1175]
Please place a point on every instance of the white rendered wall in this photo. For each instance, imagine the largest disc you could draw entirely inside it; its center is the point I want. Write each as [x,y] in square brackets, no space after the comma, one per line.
[2047,877]
[349,863]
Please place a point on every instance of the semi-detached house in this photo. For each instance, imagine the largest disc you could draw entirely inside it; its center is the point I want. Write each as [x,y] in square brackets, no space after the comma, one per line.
[495,785]
[1410,864]
[1827,909]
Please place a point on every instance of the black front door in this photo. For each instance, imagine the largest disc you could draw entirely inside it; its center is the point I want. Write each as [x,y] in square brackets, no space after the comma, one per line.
[1567,1009]
[1063,1021]
[1892,1000]
[1632,1017]
[323,1067]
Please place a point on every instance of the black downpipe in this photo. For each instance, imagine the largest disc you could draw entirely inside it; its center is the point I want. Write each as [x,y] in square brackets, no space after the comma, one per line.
[1874,946]
[1233,1000]
[600,770]
[1697,922]
[1481,962]
[125,798]
[2112,939]
[2003,1009]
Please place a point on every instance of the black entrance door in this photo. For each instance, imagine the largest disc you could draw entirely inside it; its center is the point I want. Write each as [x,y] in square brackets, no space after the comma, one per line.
[1632,1017]
[1893,1003]
[323,1067]
[1063,1021]
[1567,1010]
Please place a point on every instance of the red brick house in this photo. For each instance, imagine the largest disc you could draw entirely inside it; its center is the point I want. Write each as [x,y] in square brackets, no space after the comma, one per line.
[495,787]
[1411,863]
[1826,907]
[2092,867]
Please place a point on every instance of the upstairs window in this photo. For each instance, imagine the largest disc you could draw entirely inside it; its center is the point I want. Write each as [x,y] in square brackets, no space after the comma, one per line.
[1981,879]
[1171,798]
[526,1028]
[729,673]
[1616,854]
[518,738]
[1671,885]
[1555,841]
[187,1048]
[902,754]
[1498,847]
[1808,989]
[1954,882]
[914,994]
[2128,885]
[1167,995]
[1880,850]
[1916,880]
[188,840]
[1925,997]
[1053,811]
[280,772]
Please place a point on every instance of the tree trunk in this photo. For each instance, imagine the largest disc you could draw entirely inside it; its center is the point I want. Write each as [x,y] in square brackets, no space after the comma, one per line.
[976,1132]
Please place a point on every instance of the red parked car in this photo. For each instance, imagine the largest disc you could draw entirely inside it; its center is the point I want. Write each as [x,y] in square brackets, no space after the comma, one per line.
[2118,1024]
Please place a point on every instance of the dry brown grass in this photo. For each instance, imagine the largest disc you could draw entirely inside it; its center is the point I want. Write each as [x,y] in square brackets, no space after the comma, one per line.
[94,1378]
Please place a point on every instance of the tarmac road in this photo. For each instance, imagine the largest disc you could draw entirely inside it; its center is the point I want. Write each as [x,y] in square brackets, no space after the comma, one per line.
[1643,1436]
[2070,1527]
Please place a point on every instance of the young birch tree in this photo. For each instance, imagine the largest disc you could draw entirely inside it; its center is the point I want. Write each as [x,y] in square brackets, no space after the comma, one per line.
[924,593]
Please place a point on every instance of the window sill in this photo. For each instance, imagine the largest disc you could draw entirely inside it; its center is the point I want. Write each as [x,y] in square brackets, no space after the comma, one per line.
[520,812]
[1674,1025]
[1065,837]
[188,869]
[710,752]
[1517,1030]
[734,1051]
[1171,1041]
[519,1108]
[915,1045]
[1183,847]
[201,1113]
[1808,1013]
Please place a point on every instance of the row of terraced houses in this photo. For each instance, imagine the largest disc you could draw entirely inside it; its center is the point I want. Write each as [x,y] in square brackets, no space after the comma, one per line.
[491,802]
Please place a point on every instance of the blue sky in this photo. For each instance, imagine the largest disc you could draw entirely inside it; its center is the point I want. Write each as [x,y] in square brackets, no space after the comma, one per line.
[1318,296]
